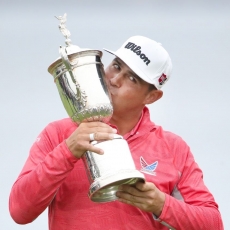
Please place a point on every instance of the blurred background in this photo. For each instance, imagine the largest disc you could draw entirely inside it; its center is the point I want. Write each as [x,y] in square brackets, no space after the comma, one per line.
[196,99]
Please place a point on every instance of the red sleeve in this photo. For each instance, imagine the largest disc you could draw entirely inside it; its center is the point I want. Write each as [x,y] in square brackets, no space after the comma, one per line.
[47,166]
[191,205]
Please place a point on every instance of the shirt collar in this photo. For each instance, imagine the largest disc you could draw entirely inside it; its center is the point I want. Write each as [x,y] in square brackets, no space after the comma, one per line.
[143,125]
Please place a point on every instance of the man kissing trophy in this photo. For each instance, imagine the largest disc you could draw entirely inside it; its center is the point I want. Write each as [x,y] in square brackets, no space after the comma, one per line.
[79,77]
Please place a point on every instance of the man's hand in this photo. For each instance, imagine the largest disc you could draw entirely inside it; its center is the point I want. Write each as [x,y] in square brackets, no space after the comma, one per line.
[145,196]
[79,141]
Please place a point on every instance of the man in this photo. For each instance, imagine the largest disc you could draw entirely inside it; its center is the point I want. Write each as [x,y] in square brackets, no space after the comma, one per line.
[174,195]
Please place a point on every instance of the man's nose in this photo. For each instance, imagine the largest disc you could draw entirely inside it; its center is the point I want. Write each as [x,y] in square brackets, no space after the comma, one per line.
[116,80]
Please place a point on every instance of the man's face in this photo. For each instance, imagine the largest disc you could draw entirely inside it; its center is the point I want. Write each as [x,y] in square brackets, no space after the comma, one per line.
[128,92]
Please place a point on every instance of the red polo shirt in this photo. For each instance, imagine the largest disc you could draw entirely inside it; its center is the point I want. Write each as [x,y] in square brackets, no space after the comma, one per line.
[52,177]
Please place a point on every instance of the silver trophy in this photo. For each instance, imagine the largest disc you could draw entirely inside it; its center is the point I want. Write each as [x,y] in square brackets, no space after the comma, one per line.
[79,77]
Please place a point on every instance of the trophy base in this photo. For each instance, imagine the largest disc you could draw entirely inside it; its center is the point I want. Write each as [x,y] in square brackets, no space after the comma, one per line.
[104,189]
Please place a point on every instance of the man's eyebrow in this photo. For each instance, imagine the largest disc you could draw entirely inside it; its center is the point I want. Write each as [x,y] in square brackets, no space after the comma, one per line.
[118,60]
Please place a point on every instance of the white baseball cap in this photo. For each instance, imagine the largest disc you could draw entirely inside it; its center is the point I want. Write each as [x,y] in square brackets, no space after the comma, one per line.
[147,58]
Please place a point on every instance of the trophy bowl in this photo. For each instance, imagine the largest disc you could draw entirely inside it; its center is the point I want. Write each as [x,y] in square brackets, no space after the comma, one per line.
[81,86]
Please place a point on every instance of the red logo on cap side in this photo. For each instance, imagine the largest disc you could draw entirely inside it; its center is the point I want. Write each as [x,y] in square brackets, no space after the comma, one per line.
[162,79]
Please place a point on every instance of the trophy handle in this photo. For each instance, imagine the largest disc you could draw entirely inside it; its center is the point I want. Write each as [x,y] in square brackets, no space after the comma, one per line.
[80,95]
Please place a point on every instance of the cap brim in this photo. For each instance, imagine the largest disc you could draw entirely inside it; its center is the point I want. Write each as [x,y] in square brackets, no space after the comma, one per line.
[133,68]
[112,52]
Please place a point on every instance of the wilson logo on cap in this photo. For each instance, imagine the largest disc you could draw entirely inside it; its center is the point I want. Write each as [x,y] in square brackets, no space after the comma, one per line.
[137,50]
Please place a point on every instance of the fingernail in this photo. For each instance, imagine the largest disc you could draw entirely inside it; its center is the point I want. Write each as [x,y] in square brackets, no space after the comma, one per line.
[114,131]
[111,136]
[101,152]
[118,193]
[119,188]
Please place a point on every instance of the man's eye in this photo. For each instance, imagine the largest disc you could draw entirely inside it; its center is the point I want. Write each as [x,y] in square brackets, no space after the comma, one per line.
[116,66]
[132,78]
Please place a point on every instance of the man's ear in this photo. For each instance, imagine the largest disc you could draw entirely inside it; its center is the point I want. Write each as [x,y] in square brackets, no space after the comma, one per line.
[153,96]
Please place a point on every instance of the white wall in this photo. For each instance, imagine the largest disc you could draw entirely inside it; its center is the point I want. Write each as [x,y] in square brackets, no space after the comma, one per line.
[196,99]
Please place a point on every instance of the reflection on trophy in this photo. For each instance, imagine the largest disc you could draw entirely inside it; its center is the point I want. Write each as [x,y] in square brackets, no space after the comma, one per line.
[79,77]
